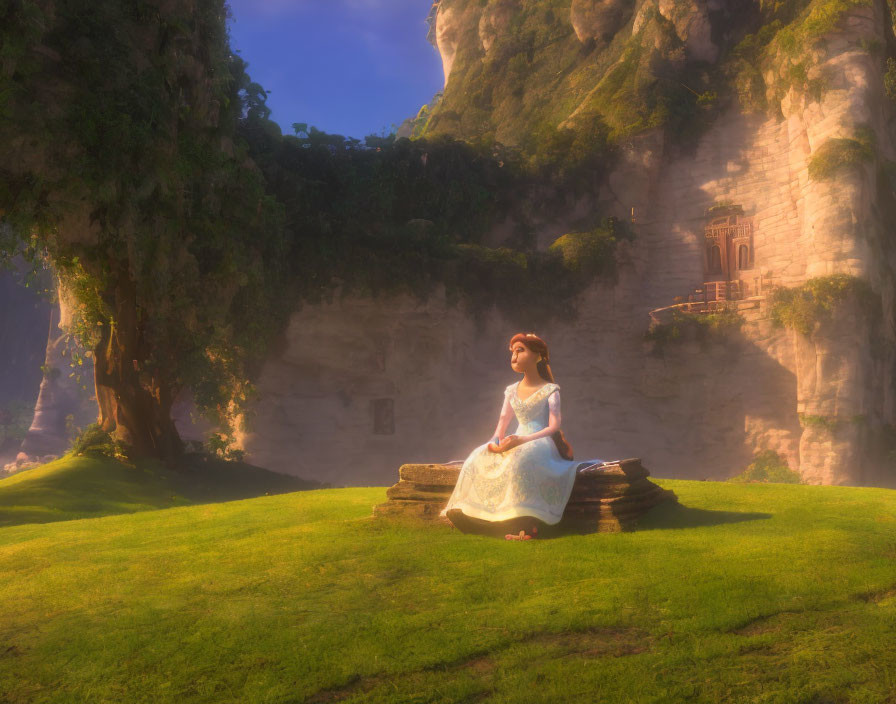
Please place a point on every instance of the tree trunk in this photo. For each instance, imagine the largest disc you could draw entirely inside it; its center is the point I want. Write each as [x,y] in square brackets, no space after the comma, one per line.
[134,402]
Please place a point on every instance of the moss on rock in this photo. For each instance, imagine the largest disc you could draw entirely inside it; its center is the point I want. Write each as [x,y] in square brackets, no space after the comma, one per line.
[801,307]
[840,153]
[704,327]
[781,55]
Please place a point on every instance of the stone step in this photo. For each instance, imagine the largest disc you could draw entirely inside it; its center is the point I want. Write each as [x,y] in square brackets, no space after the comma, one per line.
[430,474]
[411,490]
[605,498]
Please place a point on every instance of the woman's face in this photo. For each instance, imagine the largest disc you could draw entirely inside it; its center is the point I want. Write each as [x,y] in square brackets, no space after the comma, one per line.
[522,359]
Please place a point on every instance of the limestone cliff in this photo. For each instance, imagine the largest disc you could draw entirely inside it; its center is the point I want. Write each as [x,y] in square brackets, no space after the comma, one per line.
[793,146]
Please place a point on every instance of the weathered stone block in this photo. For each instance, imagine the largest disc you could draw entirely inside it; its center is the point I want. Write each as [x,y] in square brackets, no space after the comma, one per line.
[606,498]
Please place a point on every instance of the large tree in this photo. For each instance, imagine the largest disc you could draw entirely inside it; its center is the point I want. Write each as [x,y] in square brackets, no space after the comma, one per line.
[118,164]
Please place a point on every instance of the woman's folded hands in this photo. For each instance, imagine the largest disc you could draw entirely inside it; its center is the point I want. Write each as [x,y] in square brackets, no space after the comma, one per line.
[505,444]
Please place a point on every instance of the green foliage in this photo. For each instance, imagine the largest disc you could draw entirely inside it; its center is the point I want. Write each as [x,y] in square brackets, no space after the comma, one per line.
[96,442]
[423,116]
[704,327]
[588,253]
[529,289]
[781,49]
[768,466]
[570,156]
[837,154]
[873,46]
[220,445]
[404,216]
[828,423]
[651,86]
[15,419]
[825,16]
[121,166]
[802,307]
[890,78]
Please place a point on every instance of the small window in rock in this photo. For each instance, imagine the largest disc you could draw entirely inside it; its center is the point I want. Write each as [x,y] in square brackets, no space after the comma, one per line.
[383,416]
[743,257]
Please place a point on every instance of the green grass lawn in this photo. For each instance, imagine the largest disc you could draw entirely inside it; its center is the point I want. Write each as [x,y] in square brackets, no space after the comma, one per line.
[87,487]
[743,593]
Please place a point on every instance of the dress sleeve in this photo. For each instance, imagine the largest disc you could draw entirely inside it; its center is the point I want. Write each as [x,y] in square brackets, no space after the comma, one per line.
[554,404]
[505,417]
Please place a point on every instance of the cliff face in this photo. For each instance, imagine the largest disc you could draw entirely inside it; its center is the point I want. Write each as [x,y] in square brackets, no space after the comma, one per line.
[799,154]
[24,319]
[827,394]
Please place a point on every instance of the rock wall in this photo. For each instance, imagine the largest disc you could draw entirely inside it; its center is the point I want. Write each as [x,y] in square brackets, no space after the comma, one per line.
[65,397]
[694,413]
[24,320]
[803,228]
[365,386]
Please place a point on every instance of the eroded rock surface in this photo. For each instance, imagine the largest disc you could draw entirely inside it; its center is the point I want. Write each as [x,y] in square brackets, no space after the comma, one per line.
[598,19]
[495,18]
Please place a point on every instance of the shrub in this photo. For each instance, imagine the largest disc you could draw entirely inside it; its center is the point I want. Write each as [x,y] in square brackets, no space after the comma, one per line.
[704,327]
[587,253]
[890,79]
[840,153]
[96,442]
[768,466]
[221,446]
[829,423]
[801,307]
[15,419]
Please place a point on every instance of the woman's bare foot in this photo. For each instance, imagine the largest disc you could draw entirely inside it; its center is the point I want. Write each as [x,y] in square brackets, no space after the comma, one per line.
[521,536]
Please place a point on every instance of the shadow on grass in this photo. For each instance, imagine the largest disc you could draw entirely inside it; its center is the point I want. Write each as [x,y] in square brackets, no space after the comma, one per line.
[674,515]
[89,487]
[664,516]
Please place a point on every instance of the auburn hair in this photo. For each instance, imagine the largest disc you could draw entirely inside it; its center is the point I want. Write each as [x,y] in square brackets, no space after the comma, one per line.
[539,346]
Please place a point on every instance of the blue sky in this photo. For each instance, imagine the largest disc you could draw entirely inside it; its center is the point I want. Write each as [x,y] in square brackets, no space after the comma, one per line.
[352,67]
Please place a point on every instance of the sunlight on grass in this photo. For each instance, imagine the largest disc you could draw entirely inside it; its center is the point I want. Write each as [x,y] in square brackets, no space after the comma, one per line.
[84,487]
[760,592]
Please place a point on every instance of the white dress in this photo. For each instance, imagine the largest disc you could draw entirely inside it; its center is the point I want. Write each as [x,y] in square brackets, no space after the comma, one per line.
[531,479]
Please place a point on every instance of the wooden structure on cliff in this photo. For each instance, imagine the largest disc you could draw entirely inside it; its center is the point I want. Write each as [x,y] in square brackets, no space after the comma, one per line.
[727,256]
[730,276]
[605,498]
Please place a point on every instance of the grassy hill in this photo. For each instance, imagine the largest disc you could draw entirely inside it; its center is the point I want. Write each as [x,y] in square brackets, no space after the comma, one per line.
[88,487]
[757,592]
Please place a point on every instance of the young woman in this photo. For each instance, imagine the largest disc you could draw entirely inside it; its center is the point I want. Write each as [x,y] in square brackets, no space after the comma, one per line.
[521,480]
